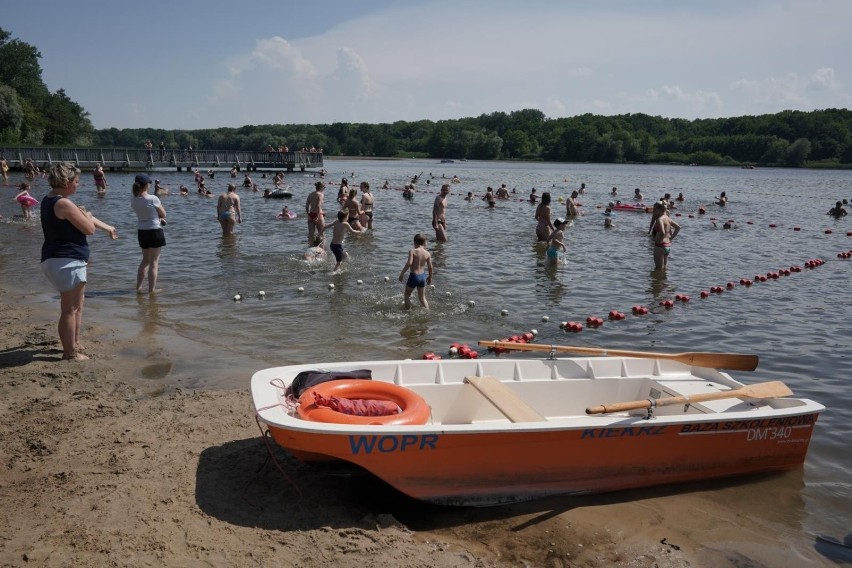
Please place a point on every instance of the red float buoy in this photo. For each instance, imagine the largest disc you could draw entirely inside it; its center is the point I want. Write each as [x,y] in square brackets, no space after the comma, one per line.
[704,294]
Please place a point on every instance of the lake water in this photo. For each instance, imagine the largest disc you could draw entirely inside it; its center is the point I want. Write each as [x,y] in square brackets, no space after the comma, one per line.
[194,335]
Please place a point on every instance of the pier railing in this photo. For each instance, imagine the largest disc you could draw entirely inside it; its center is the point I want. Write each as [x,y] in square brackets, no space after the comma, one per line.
[143,159]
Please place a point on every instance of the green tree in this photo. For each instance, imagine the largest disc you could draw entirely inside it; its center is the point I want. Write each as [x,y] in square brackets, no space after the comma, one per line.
[20,69]
[798,153]
[67,122]
[438,144]
[11,115]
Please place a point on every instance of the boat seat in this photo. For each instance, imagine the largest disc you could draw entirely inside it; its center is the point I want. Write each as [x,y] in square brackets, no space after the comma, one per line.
[504,399]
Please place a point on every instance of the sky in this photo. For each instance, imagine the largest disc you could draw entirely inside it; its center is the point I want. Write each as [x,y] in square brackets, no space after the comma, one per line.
[192,64]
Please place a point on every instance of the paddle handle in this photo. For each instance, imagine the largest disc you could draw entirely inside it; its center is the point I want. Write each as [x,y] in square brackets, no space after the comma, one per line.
[737,361]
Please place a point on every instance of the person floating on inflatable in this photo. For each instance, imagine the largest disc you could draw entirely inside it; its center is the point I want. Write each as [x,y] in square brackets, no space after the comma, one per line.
[286,214]
[26,200]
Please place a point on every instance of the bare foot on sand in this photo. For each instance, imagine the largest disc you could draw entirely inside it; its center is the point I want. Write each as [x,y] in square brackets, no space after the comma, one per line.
[75,357]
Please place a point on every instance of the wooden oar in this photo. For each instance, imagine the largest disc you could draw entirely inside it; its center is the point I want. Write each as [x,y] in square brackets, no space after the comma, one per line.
[772,389]
[736,361]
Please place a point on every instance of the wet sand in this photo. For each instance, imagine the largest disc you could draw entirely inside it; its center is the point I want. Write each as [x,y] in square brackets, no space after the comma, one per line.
[96,471]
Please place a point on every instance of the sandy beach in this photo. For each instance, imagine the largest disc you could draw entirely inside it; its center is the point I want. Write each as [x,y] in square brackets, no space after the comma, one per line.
[98,471]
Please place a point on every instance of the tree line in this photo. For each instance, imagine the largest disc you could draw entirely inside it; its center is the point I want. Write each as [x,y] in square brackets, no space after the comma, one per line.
[31,115]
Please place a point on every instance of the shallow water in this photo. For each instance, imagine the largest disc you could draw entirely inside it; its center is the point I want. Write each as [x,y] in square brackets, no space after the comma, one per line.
[194,335]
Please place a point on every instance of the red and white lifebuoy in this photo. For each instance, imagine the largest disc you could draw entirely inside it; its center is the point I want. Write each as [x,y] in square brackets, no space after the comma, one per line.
[415,410]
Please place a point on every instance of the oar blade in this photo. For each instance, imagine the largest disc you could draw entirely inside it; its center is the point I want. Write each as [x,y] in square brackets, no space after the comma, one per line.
[734,361]
[770,389]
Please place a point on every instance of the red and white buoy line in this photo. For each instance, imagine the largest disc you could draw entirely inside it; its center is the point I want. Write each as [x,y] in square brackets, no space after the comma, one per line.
[797,228]
[464,351]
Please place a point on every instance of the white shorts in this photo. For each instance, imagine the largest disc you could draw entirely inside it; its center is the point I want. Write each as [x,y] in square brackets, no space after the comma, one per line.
[65,273]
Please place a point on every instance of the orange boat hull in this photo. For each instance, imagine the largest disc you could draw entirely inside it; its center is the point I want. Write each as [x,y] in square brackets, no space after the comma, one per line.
[492,467]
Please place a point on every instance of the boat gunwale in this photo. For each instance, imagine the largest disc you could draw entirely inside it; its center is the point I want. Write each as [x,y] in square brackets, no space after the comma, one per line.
[275,415]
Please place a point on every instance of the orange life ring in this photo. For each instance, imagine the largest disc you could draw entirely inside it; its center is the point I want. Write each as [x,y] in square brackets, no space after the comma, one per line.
[415,410]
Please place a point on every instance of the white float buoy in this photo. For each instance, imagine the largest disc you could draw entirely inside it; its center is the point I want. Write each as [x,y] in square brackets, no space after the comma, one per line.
[534,331]
[301,289]
[387,278]
[431,286]
[545,319]
[471,303]
[359,282]
[237,297]
[454,351]
[448,294]
[504,312]
[330,286]
[261,294]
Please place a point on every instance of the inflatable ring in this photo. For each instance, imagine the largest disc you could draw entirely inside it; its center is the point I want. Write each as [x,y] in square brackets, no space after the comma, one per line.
[414,407]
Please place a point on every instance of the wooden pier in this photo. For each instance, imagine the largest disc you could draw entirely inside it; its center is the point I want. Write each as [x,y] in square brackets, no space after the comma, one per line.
[118,159]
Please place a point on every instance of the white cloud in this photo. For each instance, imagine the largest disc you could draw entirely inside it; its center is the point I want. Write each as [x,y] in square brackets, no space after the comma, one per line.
[379,68]
[554,108]
[602,107]
[580,72]
[773,91]
[352,75]
[822,80]
[278,53]
[673,100]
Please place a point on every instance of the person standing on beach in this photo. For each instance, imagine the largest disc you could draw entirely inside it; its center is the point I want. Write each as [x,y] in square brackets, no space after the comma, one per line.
[572,210]
[339,228]
[4,170]
[313,208]
[419,260]
[65,252]
[151,217]
[228,210]
[439,214]
[353,210]
[26,201]
[544,225]
[663,230]
[100,179]
[556,241]
[367,202]
[30,169]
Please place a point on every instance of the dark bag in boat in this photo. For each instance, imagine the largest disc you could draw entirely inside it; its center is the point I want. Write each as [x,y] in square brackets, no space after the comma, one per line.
[308,379]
